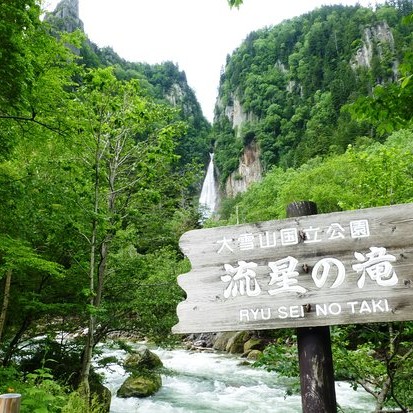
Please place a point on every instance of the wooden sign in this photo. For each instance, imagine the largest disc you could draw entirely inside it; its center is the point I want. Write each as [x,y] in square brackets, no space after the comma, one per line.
[339,268]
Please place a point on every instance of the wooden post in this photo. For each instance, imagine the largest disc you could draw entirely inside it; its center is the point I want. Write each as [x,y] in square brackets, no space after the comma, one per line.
[314,350]
[10,403]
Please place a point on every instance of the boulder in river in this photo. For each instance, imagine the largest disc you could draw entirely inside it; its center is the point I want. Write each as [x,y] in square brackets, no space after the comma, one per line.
[143,359]
[140,385]
[145,379]
[235,344]
[102,394]
[254,355]
[222,339]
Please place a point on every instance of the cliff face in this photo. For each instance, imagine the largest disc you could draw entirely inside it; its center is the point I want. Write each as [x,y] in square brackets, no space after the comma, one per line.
[163,82]
[248,172]
[376,40]
[236,114]
[65,17]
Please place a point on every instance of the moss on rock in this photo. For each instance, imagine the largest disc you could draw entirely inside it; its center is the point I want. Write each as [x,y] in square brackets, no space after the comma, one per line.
[140,385]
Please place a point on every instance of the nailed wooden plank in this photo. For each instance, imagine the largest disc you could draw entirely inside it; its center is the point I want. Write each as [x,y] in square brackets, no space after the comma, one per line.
[349,267]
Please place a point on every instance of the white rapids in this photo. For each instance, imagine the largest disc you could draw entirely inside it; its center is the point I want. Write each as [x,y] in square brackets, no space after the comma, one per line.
[214,382]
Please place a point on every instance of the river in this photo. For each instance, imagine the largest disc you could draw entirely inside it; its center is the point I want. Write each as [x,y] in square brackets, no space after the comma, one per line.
[203,382]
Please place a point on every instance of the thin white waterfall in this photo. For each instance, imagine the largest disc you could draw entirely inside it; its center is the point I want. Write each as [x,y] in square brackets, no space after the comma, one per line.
[208,198]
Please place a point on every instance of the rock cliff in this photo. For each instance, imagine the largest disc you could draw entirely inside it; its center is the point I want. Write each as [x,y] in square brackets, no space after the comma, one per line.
[248,172]
[377,39]
[65,17]
[249,169]
[237,116]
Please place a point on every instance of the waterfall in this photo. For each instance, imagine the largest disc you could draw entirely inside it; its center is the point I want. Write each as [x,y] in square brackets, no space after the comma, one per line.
[208,198]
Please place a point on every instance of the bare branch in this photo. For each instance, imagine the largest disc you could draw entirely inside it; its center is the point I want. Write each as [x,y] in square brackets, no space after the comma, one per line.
[34,120]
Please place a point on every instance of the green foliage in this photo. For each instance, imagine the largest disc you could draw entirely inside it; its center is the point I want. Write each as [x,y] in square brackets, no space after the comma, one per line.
[149,292]
[164,83]
[356,363]
[40,89]
[20,20]
[235,3]
[292,80]
[388,108]
[76,404]
[17,256]
[378,358]
[10,379]
[98,174]
[281,357]
[362,177]
[41,393]
[228,149]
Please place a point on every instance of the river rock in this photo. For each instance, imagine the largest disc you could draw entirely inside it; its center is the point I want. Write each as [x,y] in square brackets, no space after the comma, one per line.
[143,359]
[255,343]
[254,355]
[102,394]
[144,380]
[200,341]
[236,343]
[232,341]
[140,385]
[222,339]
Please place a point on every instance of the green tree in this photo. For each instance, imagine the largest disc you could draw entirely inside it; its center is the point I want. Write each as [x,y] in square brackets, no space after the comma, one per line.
[310,67]
[36,94]
[20,19]
[127,143]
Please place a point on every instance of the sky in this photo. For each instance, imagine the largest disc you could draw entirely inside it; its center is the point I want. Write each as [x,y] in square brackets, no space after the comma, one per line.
[197,35]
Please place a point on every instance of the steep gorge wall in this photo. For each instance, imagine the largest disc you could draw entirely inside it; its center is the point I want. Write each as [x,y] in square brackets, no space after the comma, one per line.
[376,41]
[249,169]
[65,17]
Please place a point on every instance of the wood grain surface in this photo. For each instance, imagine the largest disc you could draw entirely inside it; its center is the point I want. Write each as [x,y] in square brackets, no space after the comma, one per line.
[313,241]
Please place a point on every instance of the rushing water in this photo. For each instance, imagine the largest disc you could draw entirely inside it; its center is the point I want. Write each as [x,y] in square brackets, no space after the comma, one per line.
[208,197]
[215,382]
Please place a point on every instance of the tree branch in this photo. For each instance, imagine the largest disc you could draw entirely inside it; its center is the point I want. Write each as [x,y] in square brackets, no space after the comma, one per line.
[34,120]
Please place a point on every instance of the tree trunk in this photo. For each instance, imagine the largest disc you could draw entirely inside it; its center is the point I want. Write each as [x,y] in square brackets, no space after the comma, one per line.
[6,298]
[17,337]
[84,386]
[88,350]
[101,273]
[381,397]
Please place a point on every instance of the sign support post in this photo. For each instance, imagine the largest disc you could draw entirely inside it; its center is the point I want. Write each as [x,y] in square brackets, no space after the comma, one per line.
[314,350]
